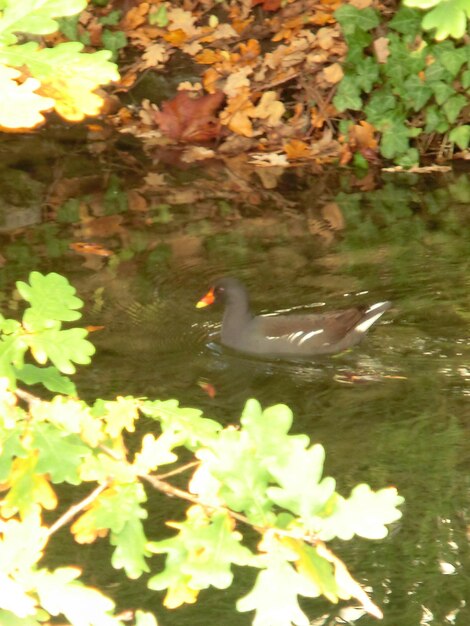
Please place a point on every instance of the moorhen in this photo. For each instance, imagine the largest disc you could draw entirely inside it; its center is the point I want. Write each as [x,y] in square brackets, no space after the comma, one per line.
[295,335]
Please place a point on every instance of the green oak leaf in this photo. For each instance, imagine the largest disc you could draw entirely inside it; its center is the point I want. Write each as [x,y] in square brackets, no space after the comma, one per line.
[60,454]
[10,619]
[449,18]
[51,296]
[193,429]
[36,16]
[62,347]
[131,547]
[202,553]
[274,596]
[10,448]
[60,593]
[47,376]
[301,489]
[364,513]
[144,618]
[22,543]
[268,429]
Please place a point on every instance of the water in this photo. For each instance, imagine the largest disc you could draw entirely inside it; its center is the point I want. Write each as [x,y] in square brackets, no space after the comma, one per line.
[393,411]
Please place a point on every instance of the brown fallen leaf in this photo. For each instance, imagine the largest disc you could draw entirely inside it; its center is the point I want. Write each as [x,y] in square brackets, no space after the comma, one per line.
[381,50]
[89,248]
[189,119]
[333,73]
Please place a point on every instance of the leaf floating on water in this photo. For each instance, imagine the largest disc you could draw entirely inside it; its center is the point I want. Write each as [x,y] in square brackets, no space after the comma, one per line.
[90,248]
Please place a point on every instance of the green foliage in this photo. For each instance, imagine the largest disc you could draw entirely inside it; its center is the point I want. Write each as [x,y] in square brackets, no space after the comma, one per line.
[416,89]
[257,477]
[447,17]
[68,77]
[51,301]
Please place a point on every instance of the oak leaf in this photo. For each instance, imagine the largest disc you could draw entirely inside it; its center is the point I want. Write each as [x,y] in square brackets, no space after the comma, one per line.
[155,56]
[20,106]
[238,112]
[237,82]
[183,20]
[297,149]
[333,73]
[190,120]
[135,17]
[267,5]
[270,108]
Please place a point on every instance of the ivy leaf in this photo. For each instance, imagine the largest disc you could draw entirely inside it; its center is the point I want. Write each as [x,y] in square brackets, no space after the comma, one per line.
[47,376]
[406,21]
[442,91]
[453,106]
[418,92]
[461,136]
[35,17]
[60,454]
[351,18]
[62,347]
[51,296]
[348,95]
[395,140]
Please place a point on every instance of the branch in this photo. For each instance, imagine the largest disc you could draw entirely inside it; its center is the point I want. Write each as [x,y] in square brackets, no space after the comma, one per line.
[76,508]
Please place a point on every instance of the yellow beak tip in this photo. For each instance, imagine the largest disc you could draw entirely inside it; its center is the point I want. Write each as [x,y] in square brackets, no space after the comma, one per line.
[200,304]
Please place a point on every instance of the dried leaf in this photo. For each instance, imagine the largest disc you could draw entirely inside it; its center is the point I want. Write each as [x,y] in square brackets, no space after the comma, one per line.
[237,114]
[297,149]
[270,109]
[381,50]
[333,73]
[188,119]
[155,55]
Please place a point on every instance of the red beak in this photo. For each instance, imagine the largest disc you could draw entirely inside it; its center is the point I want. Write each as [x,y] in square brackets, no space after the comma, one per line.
[208,299]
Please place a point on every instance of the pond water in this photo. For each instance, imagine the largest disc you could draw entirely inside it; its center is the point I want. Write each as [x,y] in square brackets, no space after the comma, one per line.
[392,411]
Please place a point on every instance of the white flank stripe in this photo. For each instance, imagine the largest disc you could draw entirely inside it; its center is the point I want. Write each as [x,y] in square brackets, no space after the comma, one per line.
[309,335]
[366,324]
[375,306]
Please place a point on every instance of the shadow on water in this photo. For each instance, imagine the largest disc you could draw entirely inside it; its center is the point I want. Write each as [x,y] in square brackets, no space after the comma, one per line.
[394,410]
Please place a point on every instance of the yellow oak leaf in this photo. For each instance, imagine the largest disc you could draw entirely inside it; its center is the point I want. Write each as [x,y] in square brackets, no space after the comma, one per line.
[121,414]
[237,114]
[84,528]
[20,106]
[237,82]
[74,96]
[155,56]
[27,488]
[270,109]
[183,20]
[178,594]
[333,73]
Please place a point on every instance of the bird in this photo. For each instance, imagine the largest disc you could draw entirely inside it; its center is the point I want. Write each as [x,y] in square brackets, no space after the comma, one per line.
[287,336]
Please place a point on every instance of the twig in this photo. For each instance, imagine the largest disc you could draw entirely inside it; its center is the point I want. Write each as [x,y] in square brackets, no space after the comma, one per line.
[76,508]
[179,470]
